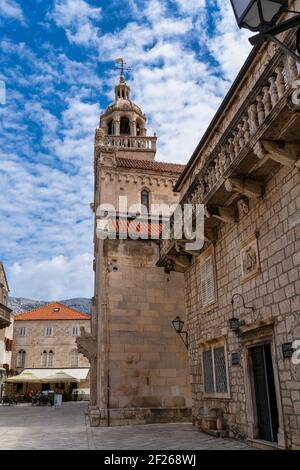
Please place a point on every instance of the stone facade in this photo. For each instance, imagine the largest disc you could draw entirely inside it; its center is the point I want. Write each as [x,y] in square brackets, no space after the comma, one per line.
[139,366]
[242,287]
[62,343]
[6,330]
[47,341]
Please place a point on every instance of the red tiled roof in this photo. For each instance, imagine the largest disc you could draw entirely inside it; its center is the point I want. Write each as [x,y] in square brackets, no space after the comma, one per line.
[53,311]
[135,227]
[149,165]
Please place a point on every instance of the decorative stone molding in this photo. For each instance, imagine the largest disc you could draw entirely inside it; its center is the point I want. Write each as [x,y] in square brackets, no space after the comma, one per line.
[243,207]
[250,264]
[87,344]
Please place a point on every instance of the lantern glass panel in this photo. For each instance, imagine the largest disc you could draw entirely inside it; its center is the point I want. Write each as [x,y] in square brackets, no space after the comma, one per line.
[178,324]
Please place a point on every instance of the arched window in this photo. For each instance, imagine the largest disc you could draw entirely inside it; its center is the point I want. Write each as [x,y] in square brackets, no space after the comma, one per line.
[21,358]
[111,127]
[44,359]
[124,126]
[145,201]
[138,129]
[74,358]
[50,359]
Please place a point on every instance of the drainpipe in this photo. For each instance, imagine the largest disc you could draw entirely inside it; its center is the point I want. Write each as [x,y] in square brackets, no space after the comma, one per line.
[108,399]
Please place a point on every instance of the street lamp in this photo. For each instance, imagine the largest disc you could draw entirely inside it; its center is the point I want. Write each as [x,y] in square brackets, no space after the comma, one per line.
[178,327]
[262,16]
[258,14]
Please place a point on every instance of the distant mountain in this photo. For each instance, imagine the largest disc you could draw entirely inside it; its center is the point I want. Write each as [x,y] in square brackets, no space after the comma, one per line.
[19,304]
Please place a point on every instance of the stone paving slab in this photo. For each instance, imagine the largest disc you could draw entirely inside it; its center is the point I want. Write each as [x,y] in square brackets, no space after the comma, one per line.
[25,427]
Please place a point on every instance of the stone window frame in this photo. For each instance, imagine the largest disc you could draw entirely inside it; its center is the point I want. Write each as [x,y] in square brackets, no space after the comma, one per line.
[23,329]
[21,358]
[75,328]
[50,358]
[51,331]
[44,356]
[72,354]
[212,345]
[209,252]
[146,190]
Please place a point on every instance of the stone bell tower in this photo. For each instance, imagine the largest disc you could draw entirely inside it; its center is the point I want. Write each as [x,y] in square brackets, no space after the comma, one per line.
[124,126]
[139,368]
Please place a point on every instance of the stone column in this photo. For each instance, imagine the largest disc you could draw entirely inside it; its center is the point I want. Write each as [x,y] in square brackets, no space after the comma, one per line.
[117,125]
[133,128]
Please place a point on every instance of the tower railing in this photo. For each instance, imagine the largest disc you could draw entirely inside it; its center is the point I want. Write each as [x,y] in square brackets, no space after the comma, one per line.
[131,143]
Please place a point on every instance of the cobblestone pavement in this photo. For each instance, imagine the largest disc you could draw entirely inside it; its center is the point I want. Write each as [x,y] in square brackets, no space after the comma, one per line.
[27,427]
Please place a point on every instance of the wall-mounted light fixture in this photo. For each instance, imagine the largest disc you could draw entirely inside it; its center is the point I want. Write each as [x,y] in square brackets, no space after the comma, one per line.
[234,322]
[262,16]
[178,327]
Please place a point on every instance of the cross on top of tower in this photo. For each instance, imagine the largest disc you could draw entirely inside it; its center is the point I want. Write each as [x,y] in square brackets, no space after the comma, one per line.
[120,65]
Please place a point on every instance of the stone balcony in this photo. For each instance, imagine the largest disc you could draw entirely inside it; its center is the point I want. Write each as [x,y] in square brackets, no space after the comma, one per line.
[4,316]
[131,143]
[262,135]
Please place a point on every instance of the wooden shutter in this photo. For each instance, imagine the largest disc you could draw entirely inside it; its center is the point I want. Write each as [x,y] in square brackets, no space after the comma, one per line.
[207,281]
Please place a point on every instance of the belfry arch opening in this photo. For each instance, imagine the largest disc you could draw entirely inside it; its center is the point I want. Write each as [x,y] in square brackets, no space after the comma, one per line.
[124,126]
[111,127]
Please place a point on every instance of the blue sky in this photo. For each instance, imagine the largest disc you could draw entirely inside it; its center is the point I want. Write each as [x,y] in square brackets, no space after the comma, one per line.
[57,61]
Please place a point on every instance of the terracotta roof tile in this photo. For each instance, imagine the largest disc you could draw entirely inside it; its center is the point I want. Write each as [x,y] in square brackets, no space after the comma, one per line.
[150,165]
[138,228]
[53,311]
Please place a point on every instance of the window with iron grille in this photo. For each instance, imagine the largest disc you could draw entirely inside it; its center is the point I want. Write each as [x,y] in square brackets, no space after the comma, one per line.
[208,372]
[74,358]
[215,370]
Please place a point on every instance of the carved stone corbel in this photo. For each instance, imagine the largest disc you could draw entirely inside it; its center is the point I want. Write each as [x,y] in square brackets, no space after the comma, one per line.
[285,153]
[225,214]
[180,247]
[248,187]
[181,262]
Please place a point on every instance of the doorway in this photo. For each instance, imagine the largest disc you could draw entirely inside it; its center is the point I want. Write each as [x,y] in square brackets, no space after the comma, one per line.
[265,393]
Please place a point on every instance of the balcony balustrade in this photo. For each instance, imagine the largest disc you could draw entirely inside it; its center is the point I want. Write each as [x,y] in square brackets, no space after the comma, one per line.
[260,135]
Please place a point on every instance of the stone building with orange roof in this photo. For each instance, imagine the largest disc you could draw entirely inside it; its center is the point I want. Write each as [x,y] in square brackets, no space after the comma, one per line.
[45,343]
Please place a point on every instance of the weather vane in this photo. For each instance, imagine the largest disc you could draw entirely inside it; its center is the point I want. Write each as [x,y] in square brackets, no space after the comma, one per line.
[120,65]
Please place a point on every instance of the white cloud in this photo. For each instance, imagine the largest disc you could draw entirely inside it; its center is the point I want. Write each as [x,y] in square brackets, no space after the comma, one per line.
[190,7]
[179,89]
[11,9]
[181,72]
[229,45]
[52,278]
[78,18]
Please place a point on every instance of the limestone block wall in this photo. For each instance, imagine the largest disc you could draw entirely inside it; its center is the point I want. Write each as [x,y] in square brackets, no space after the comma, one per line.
[117,182]
[275,294]
[148,363]
[62,343]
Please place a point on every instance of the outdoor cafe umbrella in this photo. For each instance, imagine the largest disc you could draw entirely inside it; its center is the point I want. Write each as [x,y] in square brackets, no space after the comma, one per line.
[24,377]
[59,377]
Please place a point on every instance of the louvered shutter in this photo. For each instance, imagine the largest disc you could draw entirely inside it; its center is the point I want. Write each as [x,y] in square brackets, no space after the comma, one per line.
[207,282]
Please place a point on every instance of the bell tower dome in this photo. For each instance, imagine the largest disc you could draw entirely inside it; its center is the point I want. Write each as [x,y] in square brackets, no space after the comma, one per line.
[123,125]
